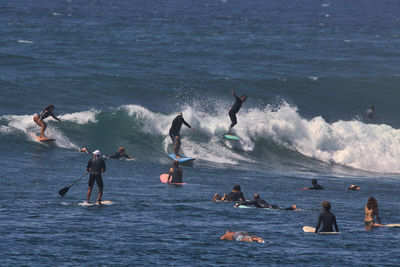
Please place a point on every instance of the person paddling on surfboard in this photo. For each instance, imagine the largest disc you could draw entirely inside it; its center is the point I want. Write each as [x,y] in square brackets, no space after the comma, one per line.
[39,118]
[241,236]
[96,166]
[175,173]
[235,109]
[315,186]
[327,218]
[258,202]
[175,130]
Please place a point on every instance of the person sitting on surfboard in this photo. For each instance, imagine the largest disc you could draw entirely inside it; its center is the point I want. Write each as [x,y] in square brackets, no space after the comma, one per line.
[371,210]
[327,218]
[39,118]
[96,166]
[235,109]
[175,130]
[175,173]
[235,195]
[315,186]
[241,236]
[261,203]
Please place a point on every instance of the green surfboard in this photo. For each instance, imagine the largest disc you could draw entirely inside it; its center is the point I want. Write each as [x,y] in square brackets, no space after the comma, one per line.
[231,137]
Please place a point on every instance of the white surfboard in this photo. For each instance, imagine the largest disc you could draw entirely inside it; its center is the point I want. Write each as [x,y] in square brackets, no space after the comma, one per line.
[104,202]
[310,229]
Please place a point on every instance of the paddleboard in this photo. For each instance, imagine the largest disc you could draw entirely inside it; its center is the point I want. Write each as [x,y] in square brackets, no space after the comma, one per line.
[231,137]
[164,180]
[310,229]
[45,139]
[104,202]
[182,159]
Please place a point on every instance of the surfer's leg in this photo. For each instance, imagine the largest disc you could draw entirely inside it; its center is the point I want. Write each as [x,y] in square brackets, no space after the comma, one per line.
[216,197]
[44,126]
[99,182]
[225,197]
[232,116]
[90,187]
[177,146]
[89,192]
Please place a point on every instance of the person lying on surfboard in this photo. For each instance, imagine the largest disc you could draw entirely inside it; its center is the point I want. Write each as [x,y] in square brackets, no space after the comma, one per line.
[371,211]
[39,118]
[235,109]
[175,173]
[235,195]
[117,155]
[174,132]
[241,236]
[353,187]
[315,186]
[261,203]
[327,218]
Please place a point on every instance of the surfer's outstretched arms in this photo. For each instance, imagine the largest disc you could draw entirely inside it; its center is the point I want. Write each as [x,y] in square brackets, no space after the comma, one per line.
[241,236]
[174,132]
[175,173]
[235,109]
[235,195]
[96,166]
[327,218]
[39,118]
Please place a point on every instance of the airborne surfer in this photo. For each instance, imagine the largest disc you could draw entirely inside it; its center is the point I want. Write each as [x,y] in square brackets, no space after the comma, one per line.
[175,130]
[235,109]
[39,118]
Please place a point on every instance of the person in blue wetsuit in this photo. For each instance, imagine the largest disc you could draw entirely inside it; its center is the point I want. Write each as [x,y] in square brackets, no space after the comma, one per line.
[96,166]
[175,173]
[241,236]
[235,109]
[39,118]
[327,218]
[174,132]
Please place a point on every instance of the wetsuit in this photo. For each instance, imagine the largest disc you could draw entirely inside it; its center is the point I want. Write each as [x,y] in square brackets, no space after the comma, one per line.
[176,175]
[240,235]
[95,165]
[235,109]
[46,113]
[316,187]
[176,127]
[235,196]
[118,155]
[328,219]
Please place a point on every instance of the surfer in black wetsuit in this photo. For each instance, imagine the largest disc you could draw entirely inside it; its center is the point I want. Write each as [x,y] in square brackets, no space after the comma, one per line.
[175,173]
[175,130]
[39,118]
[235,195]
[261,203]
[315,186]
[96,166]
[327,218]
[235,109]
[120,154]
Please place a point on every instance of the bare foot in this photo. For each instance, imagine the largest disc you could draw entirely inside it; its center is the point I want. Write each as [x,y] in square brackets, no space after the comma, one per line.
[178,157]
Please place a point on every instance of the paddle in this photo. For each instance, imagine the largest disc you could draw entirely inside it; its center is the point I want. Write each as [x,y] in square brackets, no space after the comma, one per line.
[63,191]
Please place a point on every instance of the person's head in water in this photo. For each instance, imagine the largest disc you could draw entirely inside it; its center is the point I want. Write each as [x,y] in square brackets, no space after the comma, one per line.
[371,203]
[372,107]
[243,98]
[326,205]
[121,149]
[314,181]
[176,163]
[256,196]
[236,187]
[50,107]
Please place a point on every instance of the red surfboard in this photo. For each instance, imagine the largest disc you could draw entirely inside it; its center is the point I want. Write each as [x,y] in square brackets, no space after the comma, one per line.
[164,180]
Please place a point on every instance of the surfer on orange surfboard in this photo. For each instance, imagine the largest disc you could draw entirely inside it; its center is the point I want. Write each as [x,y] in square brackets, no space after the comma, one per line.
[39,118]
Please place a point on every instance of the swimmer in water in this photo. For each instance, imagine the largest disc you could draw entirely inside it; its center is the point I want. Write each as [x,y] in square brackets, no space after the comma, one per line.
[39,118]
[315,186]
[241,236]
[371,211]
[327,218]
[235,195]
[174,132]
[235,109]
[120,154]
[353,187]
[175,173]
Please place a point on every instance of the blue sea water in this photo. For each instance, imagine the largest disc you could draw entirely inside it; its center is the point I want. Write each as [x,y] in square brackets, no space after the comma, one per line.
[118,71]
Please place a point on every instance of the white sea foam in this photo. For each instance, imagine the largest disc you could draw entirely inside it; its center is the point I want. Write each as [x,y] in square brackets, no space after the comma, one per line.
[24,42]
[83,117]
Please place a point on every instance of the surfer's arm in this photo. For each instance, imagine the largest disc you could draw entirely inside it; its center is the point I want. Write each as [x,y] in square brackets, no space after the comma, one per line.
[187,124]
[378,219]
[169,175]
[318,223]
[54,116]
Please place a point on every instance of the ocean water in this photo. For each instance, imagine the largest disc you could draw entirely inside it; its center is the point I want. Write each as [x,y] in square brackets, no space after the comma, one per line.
[118,71]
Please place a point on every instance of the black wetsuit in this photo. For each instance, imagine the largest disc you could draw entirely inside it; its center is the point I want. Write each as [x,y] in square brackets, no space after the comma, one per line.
[176,127]
[328,219]
[261,203]
[235,109]
[118,155]
[235,196]
[316,187]
[176,175]
[95,165]
[46,113]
